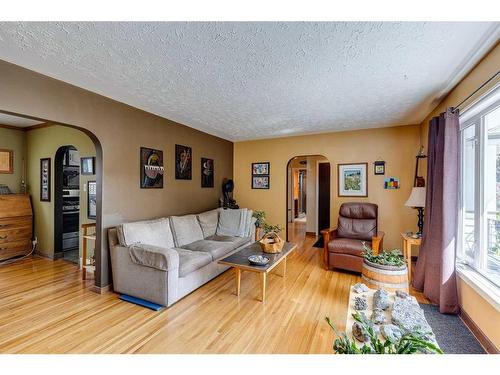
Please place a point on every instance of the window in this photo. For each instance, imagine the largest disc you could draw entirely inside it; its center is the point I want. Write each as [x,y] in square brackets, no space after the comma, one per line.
[480,187]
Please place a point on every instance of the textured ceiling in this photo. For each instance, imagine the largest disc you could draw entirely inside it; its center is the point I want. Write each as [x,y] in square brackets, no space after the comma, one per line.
[257,80]
[20,122]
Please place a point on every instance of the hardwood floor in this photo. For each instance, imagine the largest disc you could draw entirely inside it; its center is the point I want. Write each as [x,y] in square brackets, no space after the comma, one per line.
[45,307]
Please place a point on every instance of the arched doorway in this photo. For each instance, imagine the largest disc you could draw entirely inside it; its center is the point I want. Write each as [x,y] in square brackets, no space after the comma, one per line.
[307,196]
[52,147]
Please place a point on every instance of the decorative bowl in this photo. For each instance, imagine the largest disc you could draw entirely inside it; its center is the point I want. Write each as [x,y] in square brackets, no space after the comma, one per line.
[258,260]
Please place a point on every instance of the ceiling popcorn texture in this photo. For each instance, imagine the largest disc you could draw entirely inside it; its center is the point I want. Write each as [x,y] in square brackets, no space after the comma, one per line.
[258,79]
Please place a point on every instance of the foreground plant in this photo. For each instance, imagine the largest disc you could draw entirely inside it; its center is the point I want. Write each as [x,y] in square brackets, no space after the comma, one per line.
[413,343]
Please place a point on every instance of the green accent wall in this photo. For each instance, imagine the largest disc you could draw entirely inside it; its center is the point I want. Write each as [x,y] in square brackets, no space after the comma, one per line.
[13,139]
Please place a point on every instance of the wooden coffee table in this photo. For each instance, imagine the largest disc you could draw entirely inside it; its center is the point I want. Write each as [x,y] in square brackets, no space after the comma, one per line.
[239,261]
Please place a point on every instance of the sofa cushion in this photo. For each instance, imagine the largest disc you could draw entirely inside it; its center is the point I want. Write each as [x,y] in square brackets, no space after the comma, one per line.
[190,261]
[347,246]
[236,241]
[156,257]
[216,249]
[186,229]
[208,221]
[148,232]
[235,222]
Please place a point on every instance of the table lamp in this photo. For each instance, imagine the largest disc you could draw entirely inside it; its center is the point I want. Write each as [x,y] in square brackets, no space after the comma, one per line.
[417,200]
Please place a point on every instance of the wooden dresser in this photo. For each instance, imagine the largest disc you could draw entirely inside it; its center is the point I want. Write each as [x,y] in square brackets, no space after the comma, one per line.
[16,225]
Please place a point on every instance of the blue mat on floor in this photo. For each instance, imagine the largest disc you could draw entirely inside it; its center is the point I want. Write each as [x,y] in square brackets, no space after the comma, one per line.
[141,302]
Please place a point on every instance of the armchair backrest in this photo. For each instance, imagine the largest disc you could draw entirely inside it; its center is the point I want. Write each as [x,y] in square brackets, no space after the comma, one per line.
[357,220]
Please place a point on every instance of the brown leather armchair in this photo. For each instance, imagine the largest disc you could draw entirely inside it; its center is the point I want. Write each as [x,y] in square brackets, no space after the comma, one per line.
[343,246]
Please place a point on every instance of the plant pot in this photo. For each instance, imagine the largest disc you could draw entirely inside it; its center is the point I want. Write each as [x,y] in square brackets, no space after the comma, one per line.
[390,278]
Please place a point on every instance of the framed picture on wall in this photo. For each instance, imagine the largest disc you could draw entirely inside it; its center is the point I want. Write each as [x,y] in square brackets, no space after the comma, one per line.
[88,165]
[260,182]
[207,173]
[353,180]
[152,170]
[91,199]
[45,180]
[183,162]
[379,167]
[6,161]
[261,169]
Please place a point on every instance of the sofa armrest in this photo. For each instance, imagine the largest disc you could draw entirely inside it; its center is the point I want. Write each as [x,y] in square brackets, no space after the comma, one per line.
[378,242]
[160,258]
[328,235]
[143,281]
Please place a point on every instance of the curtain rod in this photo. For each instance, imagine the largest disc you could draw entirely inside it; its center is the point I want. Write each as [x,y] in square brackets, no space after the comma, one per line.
[475,91]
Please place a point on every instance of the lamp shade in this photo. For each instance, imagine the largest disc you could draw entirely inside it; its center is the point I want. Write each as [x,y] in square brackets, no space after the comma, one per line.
[417,197]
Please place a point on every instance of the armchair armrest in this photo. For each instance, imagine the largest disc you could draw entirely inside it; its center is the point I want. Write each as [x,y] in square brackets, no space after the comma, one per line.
[328,234]
[378,242]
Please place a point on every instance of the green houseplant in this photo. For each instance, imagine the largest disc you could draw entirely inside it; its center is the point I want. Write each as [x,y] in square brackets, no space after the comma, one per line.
[392,258]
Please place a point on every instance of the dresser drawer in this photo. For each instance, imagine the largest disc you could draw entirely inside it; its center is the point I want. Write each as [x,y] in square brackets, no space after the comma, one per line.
[12,249]
[15,234]
[15,222]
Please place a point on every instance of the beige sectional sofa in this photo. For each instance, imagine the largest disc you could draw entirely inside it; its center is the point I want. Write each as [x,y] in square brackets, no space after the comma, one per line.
[163,260]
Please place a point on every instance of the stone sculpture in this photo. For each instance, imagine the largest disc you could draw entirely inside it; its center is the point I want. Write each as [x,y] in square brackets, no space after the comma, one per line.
[409,317]
[381,299]
[402,294]
[378,316]
[360,303]
[391,332]
[359,333]
[360,288]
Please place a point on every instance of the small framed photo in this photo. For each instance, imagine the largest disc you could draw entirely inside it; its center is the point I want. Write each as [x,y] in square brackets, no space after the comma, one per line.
[391,183]
[353,180]
[260,182]
[379,167]
[45,180]
[88,165]
[261,169]
[6,161]
[91,199]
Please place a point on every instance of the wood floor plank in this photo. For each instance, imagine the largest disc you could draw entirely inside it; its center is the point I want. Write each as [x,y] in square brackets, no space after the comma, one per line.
[45,307]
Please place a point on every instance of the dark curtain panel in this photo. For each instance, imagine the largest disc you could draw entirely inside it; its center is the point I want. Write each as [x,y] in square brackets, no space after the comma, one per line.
[435,270]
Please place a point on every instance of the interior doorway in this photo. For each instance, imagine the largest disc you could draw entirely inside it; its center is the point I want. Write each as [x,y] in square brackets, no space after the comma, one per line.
[308,197]
[59,168]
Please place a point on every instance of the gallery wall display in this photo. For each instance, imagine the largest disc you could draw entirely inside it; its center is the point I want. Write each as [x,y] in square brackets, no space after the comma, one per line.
[183,162]
[379,167]
[352,180]
[6,161]
[152,170]
[391,183]
[45,180]
[88,165]
[260,175]
[91,199]
[207,173]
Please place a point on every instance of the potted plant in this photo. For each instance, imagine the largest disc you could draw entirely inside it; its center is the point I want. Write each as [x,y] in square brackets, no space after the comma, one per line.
[385,270]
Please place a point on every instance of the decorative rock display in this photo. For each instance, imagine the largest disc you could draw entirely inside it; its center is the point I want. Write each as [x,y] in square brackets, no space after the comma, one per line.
[360,288]
[402,294]
[409,317]
[359,333]
[391,332]
[378,316]
[381,300]
[360,303]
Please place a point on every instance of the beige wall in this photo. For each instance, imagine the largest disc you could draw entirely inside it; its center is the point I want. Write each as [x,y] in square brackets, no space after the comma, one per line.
[480,310]
[44,143]
[396,145]
[121,131]
[13,139]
